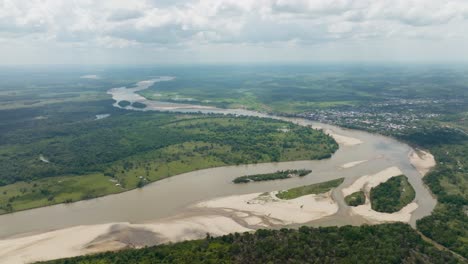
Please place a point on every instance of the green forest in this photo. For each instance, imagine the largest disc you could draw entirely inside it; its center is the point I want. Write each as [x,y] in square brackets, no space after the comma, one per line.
[448,223]
[382,244]
[392,195]
[71,156]
[279,175]
[355,199]
[427,105]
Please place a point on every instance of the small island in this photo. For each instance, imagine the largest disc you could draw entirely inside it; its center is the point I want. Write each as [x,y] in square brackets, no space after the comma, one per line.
[139,105]
[355,199]
[316,188]
[392,195]
[124,103]
[279,175]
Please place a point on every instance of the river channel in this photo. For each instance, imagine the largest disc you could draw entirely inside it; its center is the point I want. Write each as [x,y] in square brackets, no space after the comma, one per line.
[174,195]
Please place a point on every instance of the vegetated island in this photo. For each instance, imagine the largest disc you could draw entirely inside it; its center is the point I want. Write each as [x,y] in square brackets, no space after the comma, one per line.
[355,199]
[124,103]
[89,159]
[279,175]
[441,129]
[347,244]
[139,105]
[316,188]
[392,195]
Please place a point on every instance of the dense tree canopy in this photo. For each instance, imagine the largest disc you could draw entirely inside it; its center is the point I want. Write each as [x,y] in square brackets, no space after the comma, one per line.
[388,243]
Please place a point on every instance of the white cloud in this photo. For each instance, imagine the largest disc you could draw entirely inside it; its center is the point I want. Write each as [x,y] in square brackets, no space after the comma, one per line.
[111,42]
[187,24]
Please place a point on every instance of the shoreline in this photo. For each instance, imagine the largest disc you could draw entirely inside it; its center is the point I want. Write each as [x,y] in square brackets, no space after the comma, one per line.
[156,181]
[366,183]
[422,160]
[232,219]
[89,239]
[275,210]
[216,216]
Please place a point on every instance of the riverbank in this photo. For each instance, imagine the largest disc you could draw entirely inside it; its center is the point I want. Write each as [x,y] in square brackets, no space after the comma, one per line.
[343,140]
[365,184]
[142,148]
[219,216]
[174,195]
[422,160]
[82,240]
[265,209]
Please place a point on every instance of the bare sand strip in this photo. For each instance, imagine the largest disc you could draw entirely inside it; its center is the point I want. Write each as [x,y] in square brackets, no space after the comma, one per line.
[343,140]
[366,183]
[352,164]
[43,159]
[226,215]
[422,160]
[295,211]
[51,245]
[374,217]
[81,240]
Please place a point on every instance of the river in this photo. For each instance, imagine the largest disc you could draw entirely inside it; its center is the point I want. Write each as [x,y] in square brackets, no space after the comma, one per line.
[174,195]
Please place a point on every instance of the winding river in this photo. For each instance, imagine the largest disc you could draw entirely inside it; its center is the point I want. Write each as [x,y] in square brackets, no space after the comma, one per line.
[175,195]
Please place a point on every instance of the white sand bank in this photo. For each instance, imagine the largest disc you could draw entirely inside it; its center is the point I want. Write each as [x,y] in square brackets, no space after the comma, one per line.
[365,210]
[367,182]
[295,211]
[423,161]
[43,159]
[51,245]
[352,164]
[82,240]
[194,228]
[343,140]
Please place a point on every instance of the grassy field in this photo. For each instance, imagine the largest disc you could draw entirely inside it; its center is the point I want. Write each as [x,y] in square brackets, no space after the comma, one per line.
[392,195]
[309,189]
[263,92]
[296,88]
[355,199]
[48,191]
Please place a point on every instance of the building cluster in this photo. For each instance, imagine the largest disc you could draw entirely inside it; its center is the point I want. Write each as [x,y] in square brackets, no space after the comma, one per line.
[392,115]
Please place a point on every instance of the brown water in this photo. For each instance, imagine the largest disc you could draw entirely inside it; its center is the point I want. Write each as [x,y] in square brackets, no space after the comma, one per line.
[172,196]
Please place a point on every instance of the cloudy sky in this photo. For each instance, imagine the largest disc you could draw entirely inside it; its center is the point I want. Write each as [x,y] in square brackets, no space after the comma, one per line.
[210,31]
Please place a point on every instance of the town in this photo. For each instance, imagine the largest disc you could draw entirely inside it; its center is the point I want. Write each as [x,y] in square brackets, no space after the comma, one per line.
[390,116]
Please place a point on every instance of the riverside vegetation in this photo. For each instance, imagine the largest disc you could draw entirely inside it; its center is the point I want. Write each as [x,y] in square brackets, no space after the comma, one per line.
[71,156]
[279,175]
[448,181]
[382,244]
[425,106]
[417,104]
[446,137]
[391,196]
[315,188]
[356,198]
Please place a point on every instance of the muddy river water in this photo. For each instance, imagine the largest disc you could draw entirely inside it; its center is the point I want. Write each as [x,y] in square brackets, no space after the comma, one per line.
[175,195]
